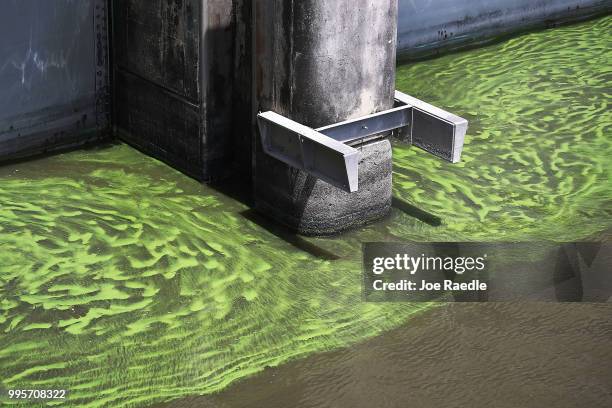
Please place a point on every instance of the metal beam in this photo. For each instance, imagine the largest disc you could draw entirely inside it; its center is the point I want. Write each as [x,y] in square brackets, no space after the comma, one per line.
[306,149]
[325,153]
[365,126]
[435,130]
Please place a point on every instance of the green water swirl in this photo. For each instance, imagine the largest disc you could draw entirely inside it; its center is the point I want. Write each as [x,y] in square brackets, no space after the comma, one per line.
[128,283]
[537,158]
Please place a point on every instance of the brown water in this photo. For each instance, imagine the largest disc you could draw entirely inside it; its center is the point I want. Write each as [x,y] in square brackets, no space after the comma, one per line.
[460,355]
[129,284]
[540,119]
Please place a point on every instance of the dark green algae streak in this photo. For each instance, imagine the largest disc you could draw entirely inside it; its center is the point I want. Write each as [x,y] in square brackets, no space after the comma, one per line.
[128,283]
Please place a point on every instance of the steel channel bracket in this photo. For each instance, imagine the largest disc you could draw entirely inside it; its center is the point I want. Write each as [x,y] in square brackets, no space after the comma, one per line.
[326,152]
[433,129]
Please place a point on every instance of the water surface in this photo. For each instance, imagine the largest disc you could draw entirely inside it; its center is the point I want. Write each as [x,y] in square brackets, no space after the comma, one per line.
[502,355]
[128,283]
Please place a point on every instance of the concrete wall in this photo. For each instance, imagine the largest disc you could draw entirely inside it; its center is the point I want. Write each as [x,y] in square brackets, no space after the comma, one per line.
[173,76]
[428,27]
[54,68]
[53,74]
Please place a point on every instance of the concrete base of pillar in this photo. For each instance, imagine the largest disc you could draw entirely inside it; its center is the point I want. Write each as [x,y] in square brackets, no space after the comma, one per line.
[313,207]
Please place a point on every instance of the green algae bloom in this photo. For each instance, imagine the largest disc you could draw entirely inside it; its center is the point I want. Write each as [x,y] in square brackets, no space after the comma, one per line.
[127,283]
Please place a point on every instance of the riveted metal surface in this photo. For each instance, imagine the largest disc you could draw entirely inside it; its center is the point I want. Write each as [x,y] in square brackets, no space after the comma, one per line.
[54,82]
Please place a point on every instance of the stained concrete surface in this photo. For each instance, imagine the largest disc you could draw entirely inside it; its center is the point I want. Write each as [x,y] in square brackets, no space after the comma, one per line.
[318,63]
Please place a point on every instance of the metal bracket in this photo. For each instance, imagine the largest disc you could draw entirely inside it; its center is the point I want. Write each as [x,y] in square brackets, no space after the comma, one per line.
[434,130]
[360,129]
[304,148]
[326,152]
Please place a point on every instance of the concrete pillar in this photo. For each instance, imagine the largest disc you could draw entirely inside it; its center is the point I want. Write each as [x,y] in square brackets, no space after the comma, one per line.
[320,62]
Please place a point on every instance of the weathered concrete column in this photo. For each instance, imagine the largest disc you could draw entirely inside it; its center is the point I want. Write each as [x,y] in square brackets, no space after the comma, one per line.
[319,62]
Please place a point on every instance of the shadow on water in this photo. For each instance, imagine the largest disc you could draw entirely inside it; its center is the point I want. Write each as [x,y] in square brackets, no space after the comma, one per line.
[416,212]
[288,236]
[235,188]
[239,190]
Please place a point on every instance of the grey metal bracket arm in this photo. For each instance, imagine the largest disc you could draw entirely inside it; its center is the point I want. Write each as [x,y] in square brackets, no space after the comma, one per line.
[434,130]
[304,148]
[326,152]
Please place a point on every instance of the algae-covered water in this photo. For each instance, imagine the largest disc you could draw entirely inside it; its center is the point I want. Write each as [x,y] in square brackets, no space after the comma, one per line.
[128,283]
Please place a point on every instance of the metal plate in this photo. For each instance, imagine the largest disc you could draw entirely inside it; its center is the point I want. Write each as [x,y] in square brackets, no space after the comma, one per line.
[435,130]
[304,148]
[53,75]
[363,127]
[324,153]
